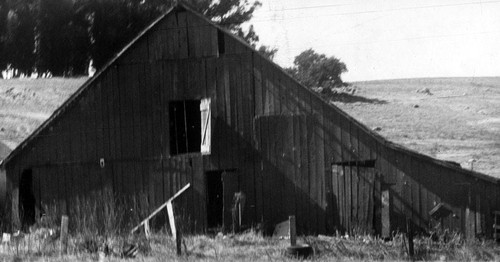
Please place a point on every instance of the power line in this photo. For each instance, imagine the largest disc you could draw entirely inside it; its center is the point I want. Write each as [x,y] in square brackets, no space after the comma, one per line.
[371,11]
[309,7]
[392,40]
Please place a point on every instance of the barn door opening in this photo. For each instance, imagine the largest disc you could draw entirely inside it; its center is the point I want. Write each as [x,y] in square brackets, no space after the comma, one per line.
[221,188]
[26,199]
[215,203]
[230,184]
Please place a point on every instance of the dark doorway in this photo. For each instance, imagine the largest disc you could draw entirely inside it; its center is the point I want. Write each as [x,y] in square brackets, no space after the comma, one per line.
[26,199]
[215,200]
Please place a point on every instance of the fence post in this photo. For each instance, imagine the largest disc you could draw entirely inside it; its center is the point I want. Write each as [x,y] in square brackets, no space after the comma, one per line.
[409,230]
[64,234]
[293,231]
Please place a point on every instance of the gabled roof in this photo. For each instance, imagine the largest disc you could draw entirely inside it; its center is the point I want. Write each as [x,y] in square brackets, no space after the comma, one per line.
[183,7]
[75,96]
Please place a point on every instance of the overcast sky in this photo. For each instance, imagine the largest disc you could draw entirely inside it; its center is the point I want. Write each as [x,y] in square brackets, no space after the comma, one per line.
[386,39]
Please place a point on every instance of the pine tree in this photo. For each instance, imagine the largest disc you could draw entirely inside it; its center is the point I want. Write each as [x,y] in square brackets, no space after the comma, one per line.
[3,34]
[62,38]
[20,35]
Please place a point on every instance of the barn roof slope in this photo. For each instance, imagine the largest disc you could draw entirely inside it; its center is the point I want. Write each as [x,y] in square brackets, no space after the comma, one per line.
[4,150]
[182,6]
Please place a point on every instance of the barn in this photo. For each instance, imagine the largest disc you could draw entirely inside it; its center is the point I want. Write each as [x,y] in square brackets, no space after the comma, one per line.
[188,102]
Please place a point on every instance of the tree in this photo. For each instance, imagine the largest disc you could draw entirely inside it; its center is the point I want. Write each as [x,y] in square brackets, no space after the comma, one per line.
[267,51]
[230,14]
[20,35]
[62,38]
[3,34]
[115,22]
[317,70]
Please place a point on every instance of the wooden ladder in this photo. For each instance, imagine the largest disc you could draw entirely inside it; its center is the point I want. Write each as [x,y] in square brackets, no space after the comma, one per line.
[496,226]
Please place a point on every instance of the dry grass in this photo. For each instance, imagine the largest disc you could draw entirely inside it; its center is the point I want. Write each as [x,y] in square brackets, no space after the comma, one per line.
[459,119]
[26,103]
[100,233]
[250,246]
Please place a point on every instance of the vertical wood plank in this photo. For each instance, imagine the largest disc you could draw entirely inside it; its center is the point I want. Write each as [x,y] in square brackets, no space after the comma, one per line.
[354,196]
[258,172]
[415,195]
[348,193]
[313,174]
[289,163]
[342,198]
[257,74]
[267,179]
[276,149]
[193,29]
[371,191]
[183,51]
[335,208]
[320,163]
[164,84]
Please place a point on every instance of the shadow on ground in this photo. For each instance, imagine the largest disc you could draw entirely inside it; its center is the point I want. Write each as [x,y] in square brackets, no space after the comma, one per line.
[348,98]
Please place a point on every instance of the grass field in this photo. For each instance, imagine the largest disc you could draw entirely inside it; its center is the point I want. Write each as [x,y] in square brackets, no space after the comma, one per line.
[26,103]
[457,119]
[249,246]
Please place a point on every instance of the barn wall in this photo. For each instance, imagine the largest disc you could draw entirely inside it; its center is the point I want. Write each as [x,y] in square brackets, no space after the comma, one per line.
[339,194]
[284,142]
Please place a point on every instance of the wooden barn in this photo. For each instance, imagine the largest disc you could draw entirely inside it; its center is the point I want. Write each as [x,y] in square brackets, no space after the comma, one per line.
[188,102]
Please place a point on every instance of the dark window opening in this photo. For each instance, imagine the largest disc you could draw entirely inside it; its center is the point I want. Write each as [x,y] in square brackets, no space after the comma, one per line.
[185,126]
[220,42]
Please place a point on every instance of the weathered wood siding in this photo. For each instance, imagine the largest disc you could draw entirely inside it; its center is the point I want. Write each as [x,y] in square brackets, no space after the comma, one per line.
[282,140]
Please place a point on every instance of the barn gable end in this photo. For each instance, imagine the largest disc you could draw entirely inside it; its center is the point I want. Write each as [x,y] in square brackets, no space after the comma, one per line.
[130,130]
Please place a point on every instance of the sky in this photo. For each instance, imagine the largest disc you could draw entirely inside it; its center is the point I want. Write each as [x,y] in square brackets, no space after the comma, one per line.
[387,39]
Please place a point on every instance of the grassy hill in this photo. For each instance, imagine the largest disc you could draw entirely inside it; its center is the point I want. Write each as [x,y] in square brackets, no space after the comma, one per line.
[26,103]
[453,119]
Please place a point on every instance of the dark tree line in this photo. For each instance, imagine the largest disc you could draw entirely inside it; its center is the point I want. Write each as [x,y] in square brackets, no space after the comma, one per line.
[62,36]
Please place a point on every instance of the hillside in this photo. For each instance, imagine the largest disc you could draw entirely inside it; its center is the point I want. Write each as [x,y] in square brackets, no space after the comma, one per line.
[26,103]
[457,119]
[454,119]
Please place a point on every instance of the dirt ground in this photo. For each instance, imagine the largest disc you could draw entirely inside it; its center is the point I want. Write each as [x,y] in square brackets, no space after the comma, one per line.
[454,119]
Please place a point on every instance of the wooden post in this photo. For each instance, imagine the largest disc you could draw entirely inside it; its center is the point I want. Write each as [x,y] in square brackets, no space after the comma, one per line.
[293,231]
[147,230]
[16,220]
[178,242]
[176,234]
[386,213]
[64,234]
[409,233]
[169,207]
[171,219]
[239,216]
